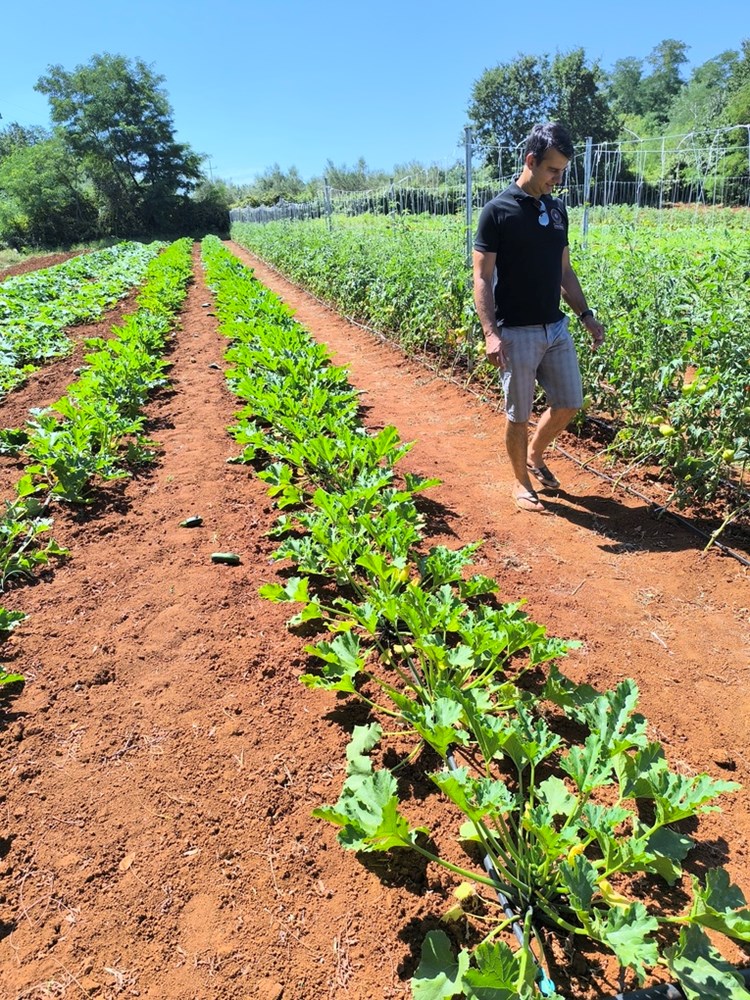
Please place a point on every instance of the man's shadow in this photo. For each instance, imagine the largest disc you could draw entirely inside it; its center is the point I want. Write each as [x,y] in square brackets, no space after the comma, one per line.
[621,528]
[643,528]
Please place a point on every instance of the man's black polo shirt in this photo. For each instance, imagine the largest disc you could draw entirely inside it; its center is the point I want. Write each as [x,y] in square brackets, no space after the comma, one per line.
[529,255]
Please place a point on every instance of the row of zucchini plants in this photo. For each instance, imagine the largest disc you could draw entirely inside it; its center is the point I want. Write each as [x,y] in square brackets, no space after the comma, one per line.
[37,308]
[670,380]
[94,432]
[561,834]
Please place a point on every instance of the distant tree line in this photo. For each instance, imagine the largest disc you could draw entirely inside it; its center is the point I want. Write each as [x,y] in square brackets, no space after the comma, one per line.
[110,165]
[636,99]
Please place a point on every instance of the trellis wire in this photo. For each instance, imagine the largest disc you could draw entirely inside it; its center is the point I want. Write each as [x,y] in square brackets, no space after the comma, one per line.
[644,173]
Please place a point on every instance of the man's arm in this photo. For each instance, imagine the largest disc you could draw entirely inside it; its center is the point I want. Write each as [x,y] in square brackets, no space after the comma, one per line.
[573,295]
[484,301]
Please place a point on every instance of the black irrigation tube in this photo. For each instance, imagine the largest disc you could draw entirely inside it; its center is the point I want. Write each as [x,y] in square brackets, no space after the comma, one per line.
[429,363]
[669,991]
[657,508]
[664,991]
[543,982]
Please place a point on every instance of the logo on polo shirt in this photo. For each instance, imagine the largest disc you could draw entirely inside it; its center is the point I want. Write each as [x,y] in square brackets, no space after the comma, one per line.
[557,219]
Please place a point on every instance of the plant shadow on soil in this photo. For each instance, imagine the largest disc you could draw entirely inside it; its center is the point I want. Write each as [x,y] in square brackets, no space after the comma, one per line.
[347,714]
[398,869]
[413,776]
[437,516]
[8,694]
[108,498]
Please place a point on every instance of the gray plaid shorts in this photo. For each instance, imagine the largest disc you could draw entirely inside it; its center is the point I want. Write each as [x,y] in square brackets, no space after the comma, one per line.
[545,354]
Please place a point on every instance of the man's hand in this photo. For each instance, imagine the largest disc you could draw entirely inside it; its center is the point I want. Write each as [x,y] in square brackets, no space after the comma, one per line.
[494,350]
[596,330]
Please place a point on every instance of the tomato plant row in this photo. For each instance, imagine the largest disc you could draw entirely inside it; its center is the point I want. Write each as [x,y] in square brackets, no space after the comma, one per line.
[428,646]
[671,378]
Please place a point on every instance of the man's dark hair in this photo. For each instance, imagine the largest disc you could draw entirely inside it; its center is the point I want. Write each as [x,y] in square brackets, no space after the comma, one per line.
[550,135]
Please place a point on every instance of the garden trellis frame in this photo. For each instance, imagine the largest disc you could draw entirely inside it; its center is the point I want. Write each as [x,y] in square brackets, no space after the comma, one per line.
[642,172]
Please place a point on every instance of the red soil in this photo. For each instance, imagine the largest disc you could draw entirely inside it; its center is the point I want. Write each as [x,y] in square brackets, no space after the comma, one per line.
[162,761]
[34,263]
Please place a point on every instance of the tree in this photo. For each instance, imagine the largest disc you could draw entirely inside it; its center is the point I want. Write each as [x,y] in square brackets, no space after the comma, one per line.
[43,198]
[509,99]
[15,136]
[274,185]
[580,102]
[702,102]
[206,209]
[663,84]
[737,111]
[356,178]
[114,115]
[624,87]
[648,98]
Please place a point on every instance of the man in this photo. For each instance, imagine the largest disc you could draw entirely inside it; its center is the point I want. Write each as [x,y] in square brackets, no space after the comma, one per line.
[521,267]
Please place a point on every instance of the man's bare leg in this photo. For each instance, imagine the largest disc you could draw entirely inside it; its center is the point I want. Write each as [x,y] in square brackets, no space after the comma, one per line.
[551,423]
[516,444]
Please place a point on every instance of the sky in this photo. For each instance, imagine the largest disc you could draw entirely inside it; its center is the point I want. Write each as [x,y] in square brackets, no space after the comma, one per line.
[294,83]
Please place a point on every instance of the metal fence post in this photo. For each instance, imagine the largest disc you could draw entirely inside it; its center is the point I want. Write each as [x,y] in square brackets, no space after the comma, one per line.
[661,176]
[586,187]
[327,199]
[469,194]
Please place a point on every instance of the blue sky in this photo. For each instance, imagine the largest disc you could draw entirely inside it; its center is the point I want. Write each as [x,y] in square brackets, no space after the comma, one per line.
[294,83]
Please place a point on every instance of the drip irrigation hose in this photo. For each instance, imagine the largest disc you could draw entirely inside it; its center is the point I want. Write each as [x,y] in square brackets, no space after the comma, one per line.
[428,360]
[669,991]
[657,508]
[544,984]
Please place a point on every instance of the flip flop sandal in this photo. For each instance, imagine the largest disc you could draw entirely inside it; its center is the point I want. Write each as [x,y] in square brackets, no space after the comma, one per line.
[530,502]
[543,474]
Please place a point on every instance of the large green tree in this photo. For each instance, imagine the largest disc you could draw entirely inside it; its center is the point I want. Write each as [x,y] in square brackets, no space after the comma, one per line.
[579,100]
[647,97]
[44,199]
[624,89]
[114,116]
[701,104]
[511,97]
[508,99]
[664,82]
[737,110]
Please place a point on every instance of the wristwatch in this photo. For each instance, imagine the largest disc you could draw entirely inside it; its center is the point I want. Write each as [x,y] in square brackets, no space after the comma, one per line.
[586,312]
